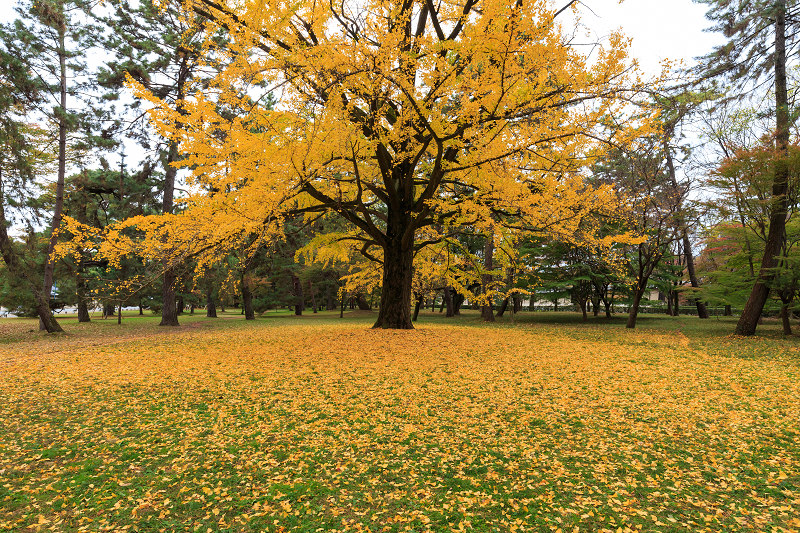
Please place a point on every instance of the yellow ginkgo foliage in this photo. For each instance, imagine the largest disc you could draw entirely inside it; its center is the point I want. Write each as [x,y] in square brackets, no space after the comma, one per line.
[406,118]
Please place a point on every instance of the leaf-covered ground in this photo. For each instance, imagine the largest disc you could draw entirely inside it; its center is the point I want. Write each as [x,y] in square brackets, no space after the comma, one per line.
[320,424]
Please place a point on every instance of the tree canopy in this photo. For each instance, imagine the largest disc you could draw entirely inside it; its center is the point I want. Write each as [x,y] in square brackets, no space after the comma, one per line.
[406,119]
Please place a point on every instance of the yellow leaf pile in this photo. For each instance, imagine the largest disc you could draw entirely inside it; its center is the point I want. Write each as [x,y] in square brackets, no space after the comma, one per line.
[325,425]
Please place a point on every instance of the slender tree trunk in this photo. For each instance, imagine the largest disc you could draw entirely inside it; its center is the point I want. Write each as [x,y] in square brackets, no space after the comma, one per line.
[49,323]
[487,313]
[344,301]
[298,295]
[596,306]
[119,316]
[633,315]
[728,311]
[398,255]
[787,327]
[613,295]
[330,303]
[503,308]
[313,297]
[169,312]
[141,310]
[247,297]
[776,236]
[83,305]
[669,303]
[702,310]
[417,306]
[675,303]
[582,305]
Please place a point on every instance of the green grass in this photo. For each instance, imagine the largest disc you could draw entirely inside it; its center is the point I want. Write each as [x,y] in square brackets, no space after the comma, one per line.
[319,423]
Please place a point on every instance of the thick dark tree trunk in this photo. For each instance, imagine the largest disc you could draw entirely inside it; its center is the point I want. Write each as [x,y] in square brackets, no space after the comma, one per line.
[362,302]
[181,305]
[417,307]
[344,303]
[395,310]
[141,309]
[83,305]
[46,318]
[211,308]
[448,302]
[676,307]
[669,303]
[633,315]
[607,304]
[119,315]
[247,297]
[728,311]
[776,236]
[169,309]
[582,305]
[108,309]
[596,306]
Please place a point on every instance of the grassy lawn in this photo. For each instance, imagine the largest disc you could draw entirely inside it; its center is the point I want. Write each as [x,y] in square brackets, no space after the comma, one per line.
[321,424]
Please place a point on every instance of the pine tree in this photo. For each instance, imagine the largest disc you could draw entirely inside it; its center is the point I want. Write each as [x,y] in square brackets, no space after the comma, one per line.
[158,48]
[50,39]
[761,37]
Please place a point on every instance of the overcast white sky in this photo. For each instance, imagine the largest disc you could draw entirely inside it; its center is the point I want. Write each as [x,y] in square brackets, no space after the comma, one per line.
[659,28]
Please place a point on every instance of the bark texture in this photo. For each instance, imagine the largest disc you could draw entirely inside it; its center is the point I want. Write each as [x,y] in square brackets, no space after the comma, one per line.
[776,237]
[395,307]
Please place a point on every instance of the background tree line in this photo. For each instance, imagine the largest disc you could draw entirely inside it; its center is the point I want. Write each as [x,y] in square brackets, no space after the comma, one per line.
[705,218]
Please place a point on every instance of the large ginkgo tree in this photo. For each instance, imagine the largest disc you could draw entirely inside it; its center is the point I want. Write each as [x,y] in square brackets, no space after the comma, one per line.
[408,119]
